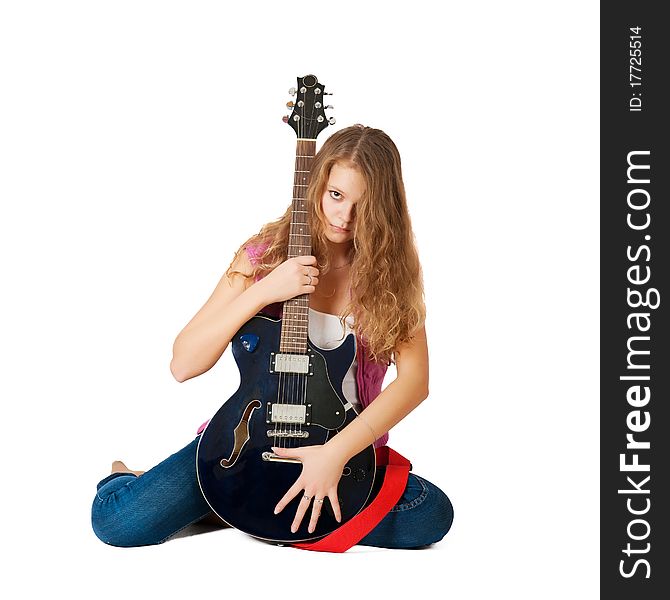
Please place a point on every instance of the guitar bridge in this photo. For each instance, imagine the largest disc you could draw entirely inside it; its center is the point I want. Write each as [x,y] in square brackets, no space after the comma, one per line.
[287,434]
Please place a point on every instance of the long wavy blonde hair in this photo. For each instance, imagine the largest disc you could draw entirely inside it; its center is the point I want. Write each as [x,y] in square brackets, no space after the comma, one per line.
[387,295]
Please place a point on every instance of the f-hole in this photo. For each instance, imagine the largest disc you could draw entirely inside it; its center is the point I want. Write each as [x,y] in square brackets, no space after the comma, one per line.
[241,435]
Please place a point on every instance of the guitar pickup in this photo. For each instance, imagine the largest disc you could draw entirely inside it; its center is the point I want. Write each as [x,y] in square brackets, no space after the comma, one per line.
[290,363]
[295,414]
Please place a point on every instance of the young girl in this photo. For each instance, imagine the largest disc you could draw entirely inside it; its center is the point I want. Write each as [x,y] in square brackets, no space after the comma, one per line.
[364,276]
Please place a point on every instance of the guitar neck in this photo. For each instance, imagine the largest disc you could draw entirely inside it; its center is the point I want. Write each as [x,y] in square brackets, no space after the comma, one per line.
[296,310]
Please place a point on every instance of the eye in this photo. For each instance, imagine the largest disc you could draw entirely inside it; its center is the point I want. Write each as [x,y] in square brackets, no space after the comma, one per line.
[334,194]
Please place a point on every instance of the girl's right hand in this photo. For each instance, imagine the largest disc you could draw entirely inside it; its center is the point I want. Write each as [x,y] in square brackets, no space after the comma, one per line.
[290,279]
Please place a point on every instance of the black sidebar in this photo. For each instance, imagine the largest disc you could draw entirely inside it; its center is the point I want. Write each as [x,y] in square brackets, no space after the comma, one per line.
[635,296]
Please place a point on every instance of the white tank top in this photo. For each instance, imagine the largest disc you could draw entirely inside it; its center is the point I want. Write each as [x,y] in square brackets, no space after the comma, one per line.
[325,331]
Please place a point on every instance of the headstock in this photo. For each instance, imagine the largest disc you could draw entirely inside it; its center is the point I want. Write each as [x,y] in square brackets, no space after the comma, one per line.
[308,118]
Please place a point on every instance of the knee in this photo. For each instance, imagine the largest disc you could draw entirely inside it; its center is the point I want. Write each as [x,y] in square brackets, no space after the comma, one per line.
[443,515]
[113,528]
[439,514]
[111,517]
[116,523]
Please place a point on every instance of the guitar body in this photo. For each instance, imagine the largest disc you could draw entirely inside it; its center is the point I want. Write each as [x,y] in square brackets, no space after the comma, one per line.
[237,473]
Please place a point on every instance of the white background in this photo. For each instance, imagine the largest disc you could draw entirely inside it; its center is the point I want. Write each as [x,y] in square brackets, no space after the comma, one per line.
[142,142]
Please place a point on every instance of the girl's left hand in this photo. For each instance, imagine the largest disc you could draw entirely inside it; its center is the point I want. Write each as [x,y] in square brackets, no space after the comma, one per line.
[321,472]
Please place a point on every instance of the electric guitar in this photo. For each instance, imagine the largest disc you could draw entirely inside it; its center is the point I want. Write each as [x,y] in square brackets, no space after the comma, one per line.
[290,393]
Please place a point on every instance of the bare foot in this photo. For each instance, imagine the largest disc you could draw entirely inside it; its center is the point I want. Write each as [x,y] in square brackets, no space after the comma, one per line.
[119,467]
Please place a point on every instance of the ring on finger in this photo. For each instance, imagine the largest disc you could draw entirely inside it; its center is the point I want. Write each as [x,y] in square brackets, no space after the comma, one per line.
[318,501]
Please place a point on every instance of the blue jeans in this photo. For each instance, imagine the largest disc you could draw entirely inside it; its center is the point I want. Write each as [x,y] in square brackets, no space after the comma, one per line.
[140,511]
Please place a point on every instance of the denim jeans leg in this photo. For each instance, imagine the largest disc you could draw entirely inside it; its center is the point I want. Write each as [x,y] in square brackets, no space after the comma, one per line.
[139,511]
[422,516]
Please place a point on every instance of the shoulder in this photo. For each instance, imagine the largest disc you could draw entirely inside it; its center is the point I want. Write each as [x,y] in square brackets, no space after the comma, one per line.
[411,360]
[243,263]
[414,351]
[254,249]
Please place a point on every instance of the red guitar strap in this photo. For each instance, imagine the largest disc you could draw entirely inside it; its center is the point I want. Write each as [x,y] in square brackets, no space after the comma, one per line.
[354,530]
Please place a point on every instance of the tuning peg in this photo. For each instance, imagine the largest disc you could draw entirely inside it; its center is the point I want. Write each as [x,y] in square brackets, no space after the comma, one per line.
[292,92]
[329,106]
[331,120]
[327,93]
[290,104]
[285,118]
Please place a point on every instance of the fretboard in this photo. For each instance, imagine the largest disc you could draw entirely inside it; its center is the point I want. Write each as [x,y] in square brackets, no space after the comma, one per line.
[296,310]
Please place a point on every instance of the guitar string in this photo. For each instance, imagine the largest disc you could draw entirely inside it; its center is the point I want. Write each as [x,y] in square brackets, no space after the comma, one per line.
[284,388]
[302,378]
[284,376]
[297,379]
[313,120]
[306,375]
[293,439]
[295,386]
[288,428]
[294,425]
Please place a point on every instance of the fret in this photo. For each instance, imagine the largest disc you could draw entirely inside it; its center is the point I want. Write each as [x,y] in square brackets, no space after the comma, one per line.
[295,319]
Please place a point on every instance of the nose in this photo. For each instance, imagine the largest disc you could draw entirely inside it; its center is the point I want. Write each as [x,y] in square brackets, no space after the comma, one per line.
[347,216]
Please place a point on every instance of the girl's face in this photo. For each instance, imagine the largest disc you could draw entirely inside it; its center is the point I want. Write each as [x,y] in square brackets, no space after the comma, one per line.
[344,189]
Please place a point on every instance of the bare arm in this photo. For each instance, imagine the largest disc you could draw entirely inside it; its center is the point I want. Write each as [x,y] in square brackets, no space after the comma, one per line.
[206,336]
[397,400]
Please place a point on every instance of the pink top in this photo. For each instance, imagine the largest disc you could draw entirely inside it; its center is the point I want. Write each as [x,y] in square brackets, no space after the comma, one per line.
[369,374]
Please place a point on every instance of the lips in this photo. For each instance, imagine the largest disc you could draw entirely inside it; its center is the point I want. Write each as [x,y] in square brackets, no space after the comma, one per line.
[339,229]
